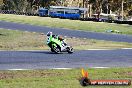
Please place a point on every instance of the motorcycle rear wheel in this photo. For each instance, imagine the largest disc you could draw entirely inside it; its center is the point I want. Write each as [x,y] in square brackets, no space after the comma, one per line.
[70,50]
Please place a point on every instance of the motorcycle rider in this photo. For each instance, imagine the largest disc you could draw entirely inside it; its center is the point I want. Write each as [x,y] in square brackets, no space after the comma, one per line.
[57,36]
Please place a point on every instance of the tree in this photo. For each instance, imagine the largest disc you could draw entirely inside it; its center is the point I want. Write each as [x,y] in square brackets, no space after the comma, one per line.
[97,6]
[116,6]
[47,3]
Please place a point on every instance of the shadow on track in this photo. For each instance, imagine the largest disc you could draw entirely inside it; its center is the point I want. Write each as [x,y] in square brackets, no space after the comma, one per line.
[47,52]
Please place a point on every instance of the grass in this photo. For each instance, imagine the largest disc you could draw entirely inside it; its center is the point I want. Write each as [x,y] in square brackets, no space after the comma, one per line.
[60,78]
[20,40]
[66,23]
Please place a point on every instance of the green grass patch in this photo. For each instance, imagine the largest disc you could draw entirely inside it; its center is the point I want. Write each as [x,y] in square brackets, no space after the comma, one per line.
[23,40]
[66,23]
[60,78]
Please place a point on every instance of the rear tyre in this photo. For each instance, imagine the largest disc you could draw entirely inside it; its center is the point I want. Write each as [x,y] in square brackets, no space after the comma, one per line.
[70,50]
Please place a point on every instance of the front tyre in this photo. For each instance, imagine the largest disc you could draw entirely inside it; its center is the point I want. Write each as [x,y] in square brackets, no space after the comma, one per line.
[70,50]
[52,50]
[56,49]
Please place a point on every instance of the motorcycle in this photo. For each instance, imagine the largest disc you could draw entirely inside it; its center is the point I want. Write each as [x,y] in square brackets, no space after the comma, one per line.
[58,46]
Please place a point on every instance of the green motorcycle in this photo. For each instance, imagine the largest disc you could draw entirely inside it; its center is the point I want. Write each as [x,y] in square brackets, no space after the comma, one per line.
[57,45]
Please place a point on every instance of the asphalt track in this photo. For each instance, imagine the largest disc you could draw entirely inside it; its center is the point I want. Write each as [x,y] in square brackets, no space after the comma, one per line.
[46,60]
[67,32]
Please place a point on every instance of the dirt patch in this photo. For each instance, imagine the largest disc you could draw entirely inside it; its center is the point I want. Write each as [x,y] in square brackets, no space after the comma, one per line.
[5,75]
[128,73]
[28,74]
[79,42]
[125,73]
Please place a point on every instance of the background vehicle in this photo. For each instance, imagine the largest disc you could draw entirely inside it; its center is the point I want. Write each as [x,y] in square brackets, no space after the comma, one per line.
[63,12]
[43,12]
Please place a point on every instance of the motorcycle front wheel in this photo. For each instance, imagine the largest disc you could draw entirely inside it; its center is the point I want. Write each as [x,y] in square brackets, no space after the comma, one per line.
[56,49]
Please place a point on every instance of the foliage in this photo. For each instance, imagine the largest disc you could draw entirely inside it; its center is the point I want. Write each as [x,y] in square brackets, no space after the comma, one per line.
[98,6]
[111,17]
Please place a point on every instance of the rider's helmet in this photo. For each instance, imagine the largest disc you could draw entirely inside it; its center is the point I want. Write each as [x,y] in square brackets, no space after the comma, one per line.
[49,33]
[60,37]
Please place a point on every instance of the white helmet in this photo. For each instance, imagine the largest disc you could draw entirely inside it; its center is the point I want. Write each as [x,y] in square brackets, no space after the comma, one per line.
[49,33]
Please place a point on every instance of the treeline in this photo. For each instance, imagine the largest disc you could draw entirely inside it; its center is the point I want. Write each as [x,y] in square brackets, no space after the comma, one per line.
[94,6]
[25,5]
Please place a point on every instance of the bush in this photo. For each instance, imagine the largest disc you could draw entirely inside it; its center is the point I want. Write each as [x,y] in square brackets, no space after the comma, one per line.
[111,17]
